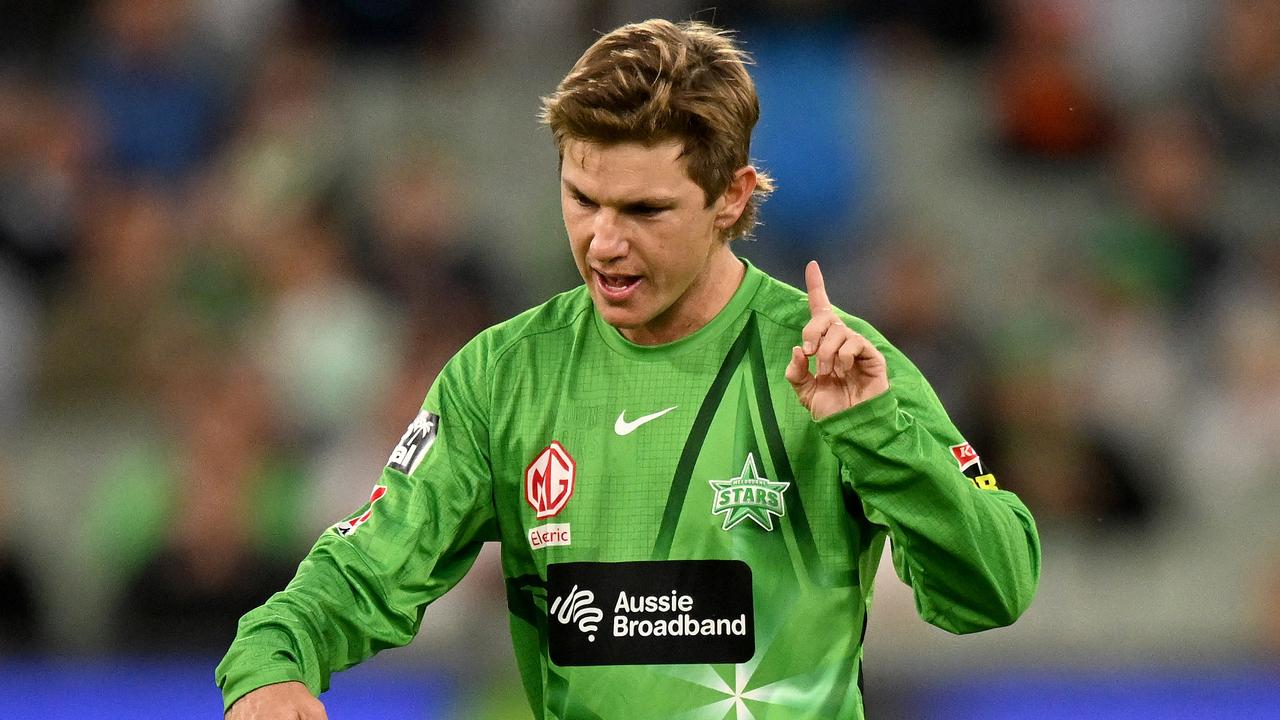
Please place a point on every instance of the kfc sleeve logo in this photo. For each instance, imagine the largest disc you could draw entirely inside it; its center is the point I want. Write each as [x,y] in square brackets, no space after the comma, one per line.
[347,528]
[966,456]
[971,465]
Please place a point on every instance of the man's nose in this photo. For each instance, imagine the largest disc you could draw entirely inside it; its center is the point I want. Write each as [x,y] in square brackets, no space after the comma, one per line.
[608,238]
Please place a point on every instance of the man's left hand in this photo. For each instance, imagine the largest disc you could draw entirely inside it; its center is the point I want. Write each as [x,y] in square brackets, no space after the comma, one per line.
[850,369]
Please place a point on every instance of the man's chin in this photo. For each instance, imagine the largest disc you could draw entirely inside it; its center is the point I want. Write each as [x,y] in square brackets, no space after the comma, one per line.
[620,319]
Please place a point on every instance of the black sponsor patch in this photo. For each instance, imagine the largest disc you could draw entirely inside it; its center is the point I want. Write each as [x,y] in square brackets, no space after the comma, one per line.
[414,443]
[658,612]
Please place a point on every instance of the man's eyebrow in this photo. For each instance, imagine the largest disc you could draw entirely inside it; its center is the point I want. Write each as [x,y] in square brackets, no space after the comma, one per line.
[573,189]
[649,204]
[655,201]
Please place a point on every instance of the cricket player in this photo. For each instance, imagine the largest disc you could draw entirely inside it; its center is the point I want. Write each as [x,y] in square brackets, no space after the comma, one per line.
[692,467]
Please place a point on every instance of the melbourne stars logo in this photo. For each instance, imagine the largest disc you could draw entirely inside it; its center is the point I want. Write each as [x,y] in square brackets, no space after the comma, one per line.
[749,496]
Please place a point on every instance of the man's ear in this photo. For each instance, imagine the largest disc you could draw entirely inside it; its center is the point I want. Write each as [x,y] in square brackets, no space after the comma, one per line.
[735,198]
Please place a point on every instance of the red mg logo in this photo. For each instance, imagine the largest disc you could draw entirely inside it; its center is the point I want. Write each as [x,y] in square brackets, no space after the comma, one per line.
[548,481]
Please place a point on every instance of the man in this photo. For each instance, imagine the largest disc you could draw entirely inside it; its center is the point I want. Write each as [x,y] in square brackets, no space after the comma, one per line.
[680,535]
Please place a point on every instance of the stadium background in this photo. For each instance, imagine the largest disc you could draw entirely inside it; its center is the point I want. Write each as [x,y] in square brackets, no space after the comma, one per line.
[239,237]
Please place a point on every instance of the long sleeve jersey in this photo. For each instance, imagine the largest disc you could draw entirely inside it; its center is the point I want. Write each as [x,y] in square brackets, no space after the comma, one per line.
[679,537]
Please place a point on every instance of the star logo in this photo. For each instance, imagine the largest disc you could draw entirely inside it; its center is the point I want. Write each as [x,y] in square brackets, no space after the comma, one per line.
[749,496]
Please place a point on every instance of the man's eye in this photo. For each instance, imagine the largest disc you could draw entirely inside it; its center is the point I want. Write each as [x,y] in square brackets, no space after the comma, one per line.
[584,202]
[645,210]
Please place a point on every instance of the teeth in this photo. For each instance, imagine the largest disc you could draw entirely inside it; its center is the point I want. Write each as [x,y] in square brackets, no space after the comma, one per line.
[617,281]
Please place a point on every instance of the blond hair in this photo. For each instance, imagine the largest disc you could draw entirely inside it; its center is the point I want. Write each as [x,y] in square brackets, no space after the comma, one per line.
[656,81]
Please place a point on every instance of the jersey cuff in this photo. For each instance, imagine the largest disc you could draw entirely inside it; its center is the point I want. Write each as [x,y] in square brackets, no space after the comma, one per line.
[252,663]
[261,677]
[870,423]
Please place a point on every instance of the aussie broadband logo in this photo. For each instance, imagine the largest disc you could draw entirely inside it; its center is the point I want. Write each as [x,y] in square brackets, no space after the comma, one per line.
[650,612]
[577,608]
[749,496]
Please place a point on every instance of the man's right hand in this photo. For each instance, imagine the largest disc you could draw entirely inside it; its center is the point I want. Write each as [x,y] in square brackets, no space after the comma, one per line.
[282,701]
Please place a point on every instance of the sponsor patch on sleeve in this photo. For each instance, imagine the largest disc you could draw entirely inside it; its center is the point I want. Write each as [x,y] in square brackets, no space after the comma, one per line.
[415,442]
[347,528]
[972,467]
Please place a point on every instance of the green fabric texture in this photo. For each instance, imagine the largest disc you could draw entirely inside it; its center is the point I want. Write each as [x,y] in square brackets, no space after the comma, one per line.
[557,373]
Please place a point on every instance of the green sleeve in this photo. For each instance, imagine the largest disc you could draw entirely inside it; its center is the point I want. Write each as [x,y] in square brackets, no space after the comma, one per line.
[971,555]
[365,583]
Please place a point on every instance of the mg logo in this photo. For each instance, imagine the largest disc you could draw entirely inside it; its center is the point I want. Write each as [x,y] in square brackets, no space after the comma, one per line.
[548,481]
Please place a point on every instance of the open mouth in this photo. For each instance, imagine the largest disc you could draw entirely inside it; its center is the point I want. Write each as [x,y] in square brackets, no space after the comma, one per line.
[616,287]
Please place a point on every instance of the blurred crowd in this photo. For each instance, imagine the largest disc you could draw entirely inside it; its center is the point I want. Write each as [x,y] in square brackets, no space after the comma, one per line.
[239,238]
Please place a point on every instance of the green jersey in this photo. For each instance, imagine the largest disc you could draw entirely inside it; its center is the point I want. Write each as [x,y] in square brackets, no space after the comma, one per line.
[679,537]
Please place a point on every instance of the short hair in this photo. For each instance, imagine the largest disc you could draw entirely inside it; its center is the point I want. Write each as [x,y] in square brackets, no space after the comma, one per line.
[657,81]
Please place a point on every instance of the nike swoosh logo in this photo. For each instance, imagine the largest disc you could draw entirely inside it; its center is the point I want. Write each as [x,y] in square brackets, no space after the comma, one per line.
[622,427]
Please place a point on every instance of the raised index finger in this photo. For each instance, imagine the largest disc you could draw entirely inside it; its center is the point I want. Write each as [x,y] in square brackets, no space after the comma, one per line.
[818,300]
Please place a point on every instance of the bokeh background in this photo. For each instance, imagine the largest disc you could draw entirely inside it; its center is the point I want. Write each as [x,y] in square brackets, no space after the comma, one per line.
[238,238]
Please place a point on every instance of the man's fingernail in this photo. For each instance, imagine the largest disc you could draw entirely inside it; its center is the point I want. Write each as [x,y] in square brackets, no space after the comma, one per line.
[808,348]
